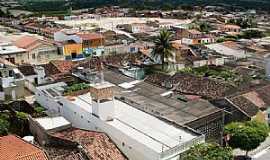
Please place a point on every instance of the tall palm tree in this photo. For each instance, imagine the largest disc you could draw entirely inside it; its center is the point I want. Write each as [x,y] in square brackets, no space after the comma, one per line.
[163,47]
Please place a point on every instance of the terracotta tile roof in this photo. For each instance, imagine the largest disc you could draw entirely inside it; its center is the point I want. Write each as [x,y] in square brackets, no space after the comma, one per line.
[194,31]
[231,44]
[50,69]
[254,97]
[63,153]
[27,70]
[252,101]
[90,36]
[25,41]
[264,94]
[189,84]
[30,42]
[245,105]
[13,148]
[97,145]
[62,65]
[231,26]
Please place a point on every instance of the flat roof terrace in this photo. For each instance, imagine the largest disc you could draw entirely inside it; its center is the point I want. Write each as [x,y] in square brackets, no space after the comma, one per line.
[148,98]
[156,134]
[148,129]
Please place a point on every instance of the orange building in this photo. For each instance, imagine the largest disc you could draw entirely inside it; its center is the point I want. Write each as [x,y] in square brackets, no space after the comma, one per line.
[73,50]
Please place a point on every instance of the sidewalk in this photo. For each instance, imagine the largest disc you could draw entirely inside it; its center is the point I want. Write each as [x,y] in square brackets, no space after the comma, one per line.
[262,147]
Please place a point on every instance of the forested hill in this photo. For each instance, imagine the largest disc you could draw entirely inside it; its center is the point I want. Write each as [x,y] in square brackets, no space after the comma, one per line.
[47,5]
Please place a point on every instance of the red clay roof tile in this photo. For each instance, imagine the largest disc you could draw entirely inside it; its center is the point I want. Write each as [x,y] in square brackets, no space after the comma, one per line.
[14,148]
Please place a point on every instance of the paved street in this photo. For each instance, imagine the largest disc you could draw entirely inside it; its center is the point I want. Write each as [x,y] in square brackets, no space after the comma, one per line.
[264,155]
[261,153]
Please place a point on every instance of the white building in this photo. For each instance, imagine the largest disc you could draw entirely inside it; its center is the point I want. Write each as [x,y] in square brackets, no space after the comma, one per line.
[12,53]
[220,48]
[140,136]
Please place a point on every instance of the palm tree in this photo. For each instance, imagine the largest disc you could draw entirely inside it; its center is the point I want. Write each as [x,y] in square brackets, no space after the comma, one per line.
[163,47]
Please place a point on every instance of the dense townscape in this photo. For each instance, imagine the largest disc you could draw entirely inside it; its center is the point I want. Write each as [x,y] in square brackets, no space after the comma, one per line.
[119,82]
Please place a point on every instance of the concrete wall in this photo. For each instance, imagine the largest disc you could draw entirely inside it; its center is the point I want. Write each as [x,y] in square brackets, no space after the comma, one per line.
[37,131]
[18,90]
[82,119]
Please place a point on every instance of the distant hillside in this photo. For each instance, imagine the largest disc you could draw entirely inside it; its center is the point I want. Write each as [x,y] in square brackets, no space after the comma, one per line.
[54,5]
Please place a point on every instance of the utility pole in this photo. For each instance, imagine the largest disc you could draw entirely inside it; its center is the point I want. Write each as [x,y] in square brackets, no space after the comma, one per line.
[223,124]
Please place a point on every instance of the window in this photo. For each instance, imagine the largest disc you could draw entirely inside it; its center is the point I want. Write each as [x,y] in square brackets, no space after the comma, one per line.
[33,56]
[123,144]
[10,73]
[81,117]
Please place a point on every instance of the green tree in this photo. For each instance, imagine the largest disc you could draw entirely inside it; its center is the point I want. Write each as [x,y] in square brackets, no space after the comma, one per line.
[4,126]
[244,22]
[204,27]
[21,122]
[209,152]
[248,34]
[163,47]
[246,136]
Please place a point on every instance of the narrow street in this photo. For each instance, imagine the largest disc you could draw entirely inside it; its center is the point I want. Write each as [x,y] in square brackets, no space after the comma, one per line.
[261,153]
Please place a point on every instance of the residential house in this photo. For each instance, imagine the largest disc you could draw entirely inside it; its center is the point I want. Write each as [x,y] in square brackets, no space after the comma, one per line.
[77,44]
[165,25]
[13,147]
[34,76]
[230,29]
[12,53]
[180,109]
[38,51]
[192,36]
[61,140]
[249,105]
[11,81]
[137,134]
[92,43]
[184,56]
[136,27]
[230,50]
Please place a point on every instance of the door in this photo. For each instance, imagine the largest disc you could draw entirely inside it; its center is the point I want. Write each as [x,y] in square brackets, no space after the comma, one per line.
[73,55]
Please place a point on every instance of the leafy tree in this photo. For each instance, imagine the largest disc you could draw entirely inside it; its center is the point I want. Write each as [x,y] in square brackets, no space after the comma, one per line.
[246,136]
[4,126]
[248,34]
[204,27]
[243,22]
[209,152]
[163,47]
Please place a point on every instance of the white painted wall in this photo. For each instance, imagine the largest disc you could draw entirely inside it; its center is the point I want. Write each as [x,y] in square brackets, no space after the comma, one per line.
[82,119]
[104,110]
[187,41]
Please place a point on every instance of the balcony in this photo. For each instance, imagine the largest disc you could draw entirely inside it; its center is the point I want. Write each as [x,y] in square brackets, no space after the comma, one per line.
[182,147]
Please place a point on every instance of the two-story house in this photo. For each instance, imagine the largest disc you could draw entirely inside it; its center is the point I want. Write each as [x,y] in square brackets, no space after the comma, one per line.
[11,81]
[77,44]
[192,36]
[38,51]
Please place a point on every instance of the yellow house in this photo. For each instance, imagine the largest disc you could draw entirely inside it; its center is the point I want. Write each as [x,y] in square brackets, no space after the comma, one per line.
[73,50]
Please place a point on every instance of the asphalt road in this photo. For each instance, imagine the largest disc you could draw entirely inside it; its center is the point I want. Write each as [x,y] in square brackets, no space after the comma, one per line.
[265,155]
